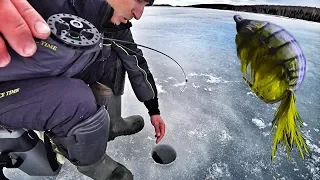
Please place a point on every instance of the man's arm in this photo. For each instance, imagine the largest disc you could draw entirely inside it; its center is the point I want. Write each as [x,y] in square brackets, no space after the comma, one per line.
[19,23]
[141,80]
[139,67]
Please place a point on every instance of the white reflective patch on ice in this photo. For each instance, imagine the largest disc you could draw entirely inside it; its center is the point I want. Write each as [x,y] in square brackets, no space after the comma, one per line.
[251,93]
[224,136]
[217,171]
[213,79]
[197,133]
[195,86]
[159,88]
[313,147]
[193,74]
[259,123]
[179,84]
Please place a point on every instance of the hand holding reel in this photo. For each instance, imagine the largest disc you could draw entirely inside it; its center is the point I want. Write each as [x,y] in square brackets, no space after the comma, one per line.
[21,148]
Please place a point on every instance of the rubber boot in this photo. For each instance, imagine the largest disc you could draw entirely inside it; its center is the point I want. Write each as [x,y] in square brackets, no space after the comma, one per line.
[106,169]
[118,126]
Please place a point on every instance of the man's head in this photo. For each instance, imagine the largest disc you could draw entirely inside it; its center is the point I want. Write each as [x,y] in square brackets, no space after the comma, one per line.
[125,10]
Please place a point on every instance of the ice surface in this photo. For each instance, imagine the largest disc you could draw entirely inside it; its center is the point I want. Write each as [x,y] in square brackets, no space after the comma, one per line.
[219,129]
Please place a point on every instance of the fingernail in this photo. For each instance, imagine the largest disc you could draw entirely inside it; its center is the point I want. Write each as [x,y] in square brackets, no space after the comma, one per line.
[4,60]
[42,27]
[29,48]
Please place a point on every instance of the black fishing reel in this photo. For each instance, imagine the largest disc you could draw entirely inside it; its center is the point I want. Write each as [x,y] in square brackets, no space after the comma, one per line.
[73,31]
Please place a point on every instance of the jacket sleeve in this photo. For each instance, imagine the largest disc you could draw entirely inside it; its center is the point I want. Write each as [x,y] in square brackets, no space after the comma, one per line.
[140,77]
[91,10]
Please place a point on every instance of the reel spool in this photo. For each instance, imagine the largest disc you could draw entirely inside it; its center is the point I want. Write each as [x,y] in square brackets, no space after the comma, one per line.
[73,31]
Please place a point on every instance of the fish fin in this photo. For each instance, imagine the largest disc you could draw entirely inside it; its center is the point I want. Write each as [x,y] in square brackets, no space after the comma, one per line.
[247,82]
[287,132]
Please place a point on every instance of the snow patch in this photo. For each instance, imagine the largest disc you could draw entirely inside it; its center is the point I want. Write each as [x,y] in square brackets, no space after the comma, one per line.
[195,86]
[179,84]
[197,133]
[313,147]
[259,123]
[265,134]
[160,90]
[218,171]
[224,136]
[213,79]
[193,74]
[251,93]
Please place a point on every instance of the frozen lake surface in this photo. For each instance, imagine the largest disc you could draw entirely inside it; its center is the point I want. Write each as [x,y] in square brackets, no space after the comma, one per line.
[218,128]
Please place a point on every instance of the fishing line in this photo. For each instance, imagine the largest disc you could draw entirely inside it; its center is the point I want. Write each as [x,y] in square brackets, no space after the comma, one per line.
[121,41]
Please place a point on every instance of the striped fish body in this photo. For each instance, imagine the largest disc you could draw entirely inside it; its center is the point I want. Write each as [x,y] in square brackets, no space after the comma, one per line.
[273,57]
[274,67]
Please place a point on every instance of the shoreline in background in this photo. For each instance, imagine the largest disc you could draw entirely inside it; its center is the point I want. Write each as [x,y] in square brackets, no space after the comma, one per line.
[297,12]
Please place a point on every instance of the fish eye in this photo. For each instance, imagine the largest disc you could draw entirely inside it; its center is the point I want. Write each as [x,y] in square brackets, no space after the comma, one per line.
[237,17]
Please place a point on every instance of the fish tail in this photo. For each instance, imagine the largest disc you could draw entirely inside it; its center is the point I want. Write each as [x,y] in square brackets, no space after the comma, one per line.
[287,132]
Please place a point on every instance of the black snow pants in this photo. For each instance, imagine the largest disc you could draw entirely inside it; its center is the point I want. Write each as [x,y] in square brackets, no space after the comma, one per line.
[53,103]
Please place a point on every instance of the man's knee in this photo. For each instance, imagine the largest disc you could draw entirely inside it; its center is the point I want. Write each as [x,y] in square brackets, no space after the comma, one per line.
[74,103]
[81,129]
[86,142]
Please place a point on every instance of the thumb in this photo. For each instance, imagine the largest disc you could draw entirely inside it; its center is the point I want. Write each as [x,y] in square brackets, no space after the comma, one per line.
[157,129]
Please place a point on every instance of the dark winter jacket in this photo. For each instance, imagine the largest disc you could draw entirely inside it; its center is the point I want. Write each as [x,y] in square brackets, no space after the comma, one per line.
[54,59]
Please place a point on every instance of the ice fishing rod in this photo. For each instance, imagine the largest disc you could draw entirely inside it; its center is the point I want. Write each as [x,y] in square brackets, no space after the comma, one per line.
[122,41]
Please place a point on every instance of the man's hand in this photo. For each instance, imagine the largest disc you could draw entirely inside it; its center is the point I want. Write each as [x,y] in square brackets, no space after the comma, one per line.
[19,23]
[159,127]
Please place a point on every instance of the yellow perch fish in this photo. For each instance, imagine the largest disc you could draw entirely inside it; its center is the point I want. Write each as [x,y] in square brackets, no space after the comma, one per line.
[274,67]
